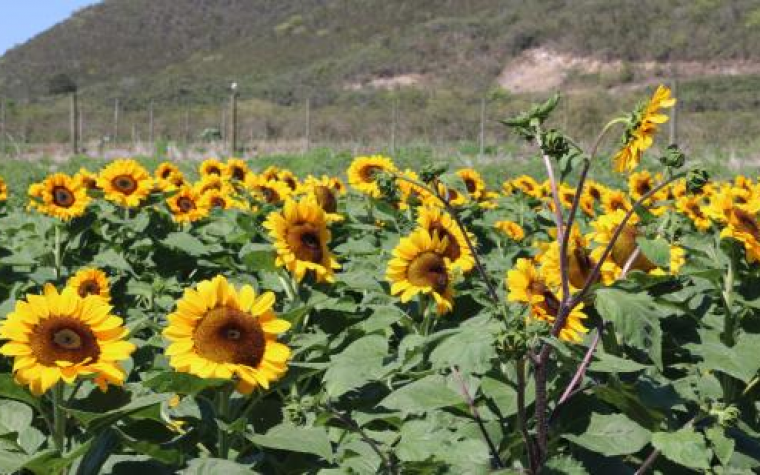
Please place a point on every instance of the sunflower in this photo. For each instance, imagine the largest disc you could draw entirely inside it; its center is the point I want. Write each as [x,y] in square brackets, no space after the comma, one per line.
[528,185]
[88,179]
[641,183]
[613,200]
[223,199]
[290,180]
[640,135]
[437,221]
[363,172]
[580,262]
[218,331]
[526,284]
[420,266]
[3,190]
[125,182]
[473,183]
[411,194]
[594,190]
[513,230]
[60,196]
[267,191]
[55,337]
[270,173]
[450,194]
[165,170]
[185,206]
[692,206]
[744,227]
[89,281]
[211,166]
[236,169]
[301,236]
[321,193]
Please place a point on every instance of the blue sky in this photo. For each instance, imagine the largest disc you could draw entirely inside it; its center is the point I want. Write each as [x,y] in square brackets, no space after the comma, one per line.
[20,20]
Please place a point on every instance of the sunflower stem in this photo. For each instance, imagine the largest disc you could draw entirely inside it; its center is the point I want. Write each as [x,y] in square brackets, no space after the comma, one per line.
[57,250]
[222,412]
[59,418]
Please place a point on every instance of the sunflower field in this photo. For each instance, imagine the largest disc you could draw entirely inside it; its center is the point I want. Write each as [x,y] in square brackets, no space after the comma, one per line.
[387,320]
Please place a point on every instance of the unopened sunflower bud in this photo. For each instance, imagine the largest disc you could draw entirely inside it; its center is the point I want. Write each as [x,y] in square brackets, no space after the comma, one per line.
[674,157]
[387,185]
[554,143]
[696,180]
[433,171]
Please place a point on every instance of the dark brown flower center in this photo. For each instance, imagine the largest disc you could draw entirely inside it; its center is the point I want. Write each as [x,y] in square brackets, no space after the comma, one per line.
[369,173]
[469,183]
[166,173]
[185,204]
[228,335]
[326,199]
[429,269]
[63,197]
[453,251]
[304,241]
[643,187]
[89,287]
[218,202]
[290,182]
[59,338]
[270,195]
[213,170]
[746,223]
[124,184]
[238,173]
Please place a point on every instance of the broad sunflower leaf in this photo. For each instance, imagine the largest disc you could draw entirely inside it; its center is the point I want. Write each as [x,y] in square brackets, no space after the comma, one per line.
[182,383]
[360,363]
[471,349]
[684,447]
[186,243]
[739,361]
[213,466]
[606,363]
[656,250]
[611,435]
[429,393]
[310,440]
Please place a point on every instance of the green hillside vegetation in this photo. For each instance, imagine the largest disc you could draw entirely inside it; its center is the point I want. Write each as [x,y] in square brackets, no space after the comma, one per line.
[183,54]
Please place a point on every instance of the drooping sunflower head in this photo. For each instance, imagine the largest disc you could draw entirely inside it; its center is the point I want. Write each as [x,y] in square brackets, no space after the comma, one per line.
[640,134]
[208,182]
[59,337]
[90,281]
[363,172]
[219,331]
[211,166]
[186,206]
[744,226]
[420,266]
[165,170]
[236,169]
[270,173]
[125,182]
[580,260]
[60,196]
[411,194]
[437,221]
[301,239]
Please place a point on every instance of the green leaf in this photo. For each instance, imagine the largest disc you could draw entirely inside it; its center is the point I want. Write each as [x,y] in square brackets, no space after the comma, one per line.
[309,440]
[10,389]
[112,260]
[685,447]
[656,250]
[186,243]
[360,363]
[99,419]
[101,448]
[426,394]
[739,361]
[14,417]
[612,435]
[212,466]
[721,445]
[182,383]
[607,363]
[635,317]
[564,465]
[471,349]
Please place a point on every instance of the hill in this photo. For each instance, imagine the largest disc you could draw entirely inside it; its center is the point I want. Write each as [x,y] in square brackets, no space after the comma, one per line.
[185,53]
